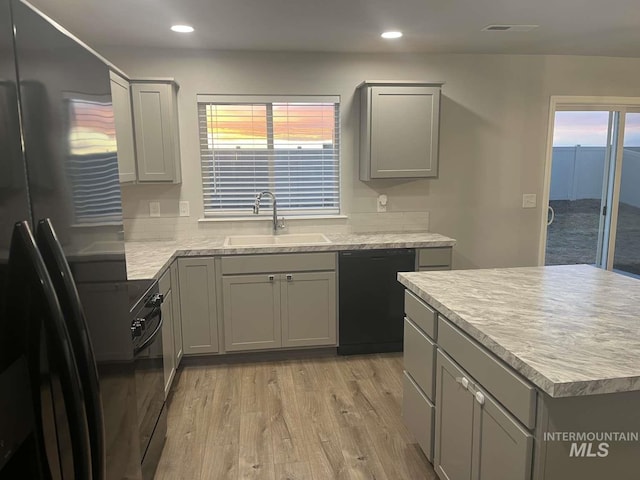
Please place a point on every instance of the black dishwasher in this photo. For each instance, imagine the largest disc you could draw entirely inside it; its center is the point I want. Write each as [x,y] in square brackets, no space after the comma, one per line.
[371,300]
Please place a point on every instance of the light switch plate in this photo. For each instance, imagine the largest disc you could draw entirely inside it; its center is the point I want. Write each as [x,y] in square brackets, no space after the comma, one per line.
[154,209]
[529,200]
[184,208]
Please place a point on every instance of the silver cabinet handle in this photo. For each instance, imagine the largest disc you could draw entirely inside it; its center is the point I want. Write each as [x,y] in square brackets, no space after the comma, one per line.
[480,398]
[289,277]
[272,278]
[463,381]
[553,216]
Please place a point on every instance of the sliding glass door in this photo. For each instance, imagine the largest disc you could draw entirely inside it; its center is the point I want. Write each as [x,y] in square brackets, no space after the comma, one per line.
[594,199]
[626,256]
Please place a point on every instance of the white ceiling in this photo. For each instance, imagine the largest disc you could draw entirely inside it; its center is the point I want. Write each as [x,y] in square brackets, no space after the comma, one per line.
[582,27]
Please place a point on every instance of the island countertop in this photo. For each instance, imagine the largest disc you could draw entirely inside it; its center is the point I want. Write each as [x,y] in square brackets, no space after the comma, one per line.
[151,258]
[571,330]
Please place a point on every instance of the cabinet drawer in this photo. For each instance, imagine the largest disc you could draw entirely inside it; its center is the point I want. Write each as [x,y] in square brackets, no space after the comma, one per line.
[518,396]
[420,313]
[418,413]
[434,257]
[292,262]
[419,357]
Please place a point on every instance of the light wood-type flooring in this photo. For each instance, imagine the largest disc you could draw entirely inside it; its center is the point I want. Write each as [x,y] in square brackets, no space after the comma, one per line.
[319,418]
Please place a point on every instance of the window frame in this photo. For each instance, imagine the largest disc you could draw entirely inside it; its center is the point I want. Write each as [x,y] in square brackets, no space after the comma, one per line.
[268,101]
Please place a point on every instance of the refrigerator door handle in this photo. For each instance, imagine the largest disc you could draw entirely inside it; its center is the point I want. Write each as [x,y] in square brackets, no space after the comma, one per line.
[62,278]
[31,273]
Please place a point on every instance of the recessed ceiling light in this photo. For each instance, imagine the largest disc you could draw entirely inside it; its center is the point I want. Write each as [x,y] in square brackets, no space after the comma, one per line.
[391,34]
[182,28]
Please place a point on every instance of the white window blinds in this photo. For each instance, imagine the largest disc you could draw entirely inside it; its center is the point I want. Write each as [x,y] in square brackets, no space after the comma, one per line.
[289,146]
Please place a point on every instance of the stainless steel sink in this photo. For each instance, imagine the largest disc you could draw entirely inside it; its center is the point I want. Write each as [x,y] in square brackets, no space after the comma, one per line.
[284,239]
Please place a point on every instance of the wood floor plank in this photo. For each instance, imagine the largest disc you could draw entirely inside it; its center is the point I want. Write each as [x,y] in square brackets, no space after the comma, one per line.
[255,455]
[286,422]
[293,471]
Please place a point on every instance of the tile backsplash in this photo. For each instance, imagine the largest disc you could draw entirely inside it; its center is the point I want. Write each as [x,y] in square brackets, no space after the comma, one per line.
[179,228]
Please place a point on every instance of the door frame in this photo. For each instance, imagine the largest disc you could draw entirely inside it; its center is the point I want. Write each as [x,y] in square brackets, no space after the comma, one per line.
[586,103]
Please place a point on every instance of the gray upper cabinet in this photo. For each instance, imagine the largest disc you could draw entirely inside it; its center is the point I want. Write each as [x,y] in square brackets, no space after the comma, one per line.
[155,117]
[399,125]
[198,311]
[121,98]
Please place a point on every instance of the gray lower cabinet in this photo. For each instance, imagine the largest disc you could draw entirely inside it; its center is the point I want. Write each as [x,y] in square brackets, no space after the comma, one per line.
[272,310]
[198,310]
[251,305]
[308,303]
[418,413]
[434,259]
[177,319]
[168,353]
[476,439]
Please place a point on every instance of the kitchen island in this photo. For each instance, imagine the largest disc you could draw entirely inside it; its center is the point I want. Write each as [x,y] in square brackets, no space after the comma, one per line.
[524,373]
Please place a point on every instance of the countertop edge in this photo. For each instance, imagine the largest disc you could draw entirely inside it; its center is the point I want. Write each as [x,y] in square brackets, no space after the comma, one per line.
[334,246]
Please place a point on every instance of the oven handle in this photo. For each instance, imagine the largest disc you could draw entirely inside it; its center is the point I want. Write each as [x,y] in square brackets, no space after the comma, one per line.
[152,337]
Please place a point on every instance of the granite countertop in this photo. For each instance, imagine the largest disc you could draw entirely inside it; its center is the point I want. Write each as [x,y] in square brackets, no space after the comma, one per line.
[571,330]
[151,259]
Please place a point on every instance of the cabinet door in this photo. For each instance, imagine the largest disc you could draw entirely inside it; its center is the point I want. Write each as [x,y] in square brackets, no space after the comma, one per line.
[308,309]
[177,319]
[454,422]
[404,131]
[154,123]
[121,98]
[198,305]
[503,449]
[251,305]
[168,357]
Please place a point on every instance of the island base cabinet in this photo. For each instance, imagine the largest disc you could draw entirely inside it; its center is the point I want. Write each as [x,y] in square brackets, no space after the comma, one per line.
[595,458]
[454,422]
[418,413]
[503,448]
[251,306]
[308,309]
[476,439]
[198,311]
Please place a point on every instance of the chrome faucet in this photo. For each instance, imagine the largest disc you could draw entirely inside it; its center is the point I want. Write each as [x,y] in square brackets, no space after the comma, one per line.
[256,209]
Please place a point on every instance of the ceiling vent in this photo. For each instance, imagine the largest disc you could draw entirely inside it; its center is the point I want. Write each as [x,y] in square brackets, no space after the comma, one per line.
[509,28]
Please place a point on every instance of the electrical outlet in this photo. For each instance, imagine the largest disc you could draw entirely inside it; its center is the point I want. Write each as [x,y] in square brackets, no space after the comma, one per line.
[382,203]
[529,200]
[154,209]
[184,208]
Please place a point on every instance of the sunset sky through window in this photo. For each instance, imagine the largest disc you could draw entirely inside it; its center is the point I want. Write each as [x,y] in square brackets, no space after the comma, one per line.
[294,125]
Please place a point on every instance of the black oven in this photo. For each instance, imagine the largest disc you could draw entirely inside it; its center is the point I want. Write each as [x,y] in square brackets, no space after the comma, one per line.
[146,337]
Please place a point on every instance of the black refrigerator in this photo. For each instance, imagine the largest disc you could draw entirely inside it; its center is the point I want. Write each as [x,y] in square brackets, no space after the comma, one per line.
[67,387]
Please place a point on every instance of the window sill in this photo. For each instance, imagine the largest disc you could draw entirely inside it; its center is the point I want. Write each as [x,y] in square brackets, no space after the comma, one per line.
[270,218]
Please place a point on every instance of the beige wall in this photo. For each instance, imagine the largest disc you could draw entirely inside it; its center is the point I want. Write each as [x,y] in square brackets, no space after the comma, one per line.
[494,117]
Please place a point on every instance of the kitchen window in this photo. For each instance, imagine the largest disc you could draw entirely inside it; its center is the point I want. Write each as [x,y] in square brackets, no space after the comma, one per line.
[288,145]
